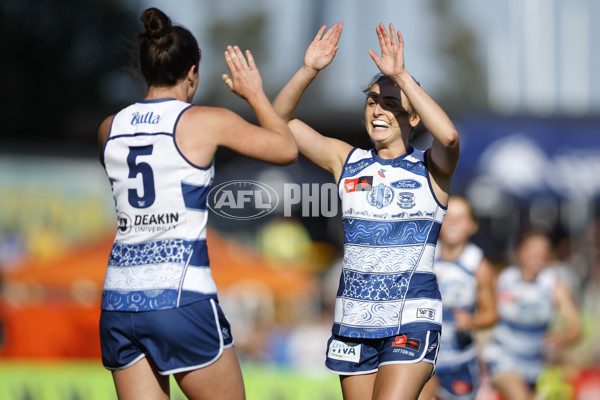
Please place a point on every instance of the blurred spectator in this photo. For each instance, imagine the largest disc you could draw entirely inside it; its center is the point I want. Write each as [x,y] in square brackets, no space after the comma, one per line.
[529,295]
[466,280]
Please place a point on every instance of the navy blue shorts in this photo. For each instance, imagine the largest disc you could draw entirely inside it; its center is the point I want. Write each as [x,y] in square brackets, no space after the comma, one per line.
[459,382]
[176,340]
[351,356]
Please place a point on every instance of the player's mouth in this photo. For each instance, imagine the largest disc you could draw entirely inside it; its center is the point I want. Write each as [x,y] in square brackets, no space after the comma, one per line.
[379,125]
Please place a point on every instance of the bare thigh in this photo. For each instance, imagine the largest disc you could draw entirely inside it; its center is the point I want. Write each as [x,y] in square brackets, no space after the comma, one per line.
[220,380]
[392,381]
[358,387]
[511,386]
[401,381]
[430,389]
[141,381]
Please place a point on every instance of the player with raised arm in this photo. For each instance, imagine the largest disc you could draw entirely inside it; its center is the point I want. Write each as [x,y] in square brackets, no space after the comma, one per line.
[388,310]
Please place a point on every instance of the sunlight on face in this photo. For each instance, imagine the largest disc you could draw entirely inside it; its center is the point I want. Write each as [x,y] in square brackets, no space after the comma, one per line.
[386,116]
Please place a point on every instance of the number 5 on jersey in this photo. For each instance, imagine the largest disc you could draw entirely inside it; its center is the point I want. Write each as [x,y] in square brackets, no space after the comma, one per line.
[140,167]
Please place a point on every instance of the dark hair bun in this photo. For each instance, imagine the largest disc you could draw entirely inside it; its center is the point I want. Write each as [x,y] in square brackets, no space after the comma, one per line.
[156,22]
[166,51]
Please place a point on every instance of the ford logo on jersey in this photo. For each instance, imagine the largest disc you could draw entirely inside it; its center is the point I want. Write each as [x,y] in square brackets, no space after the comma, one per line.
[406,184]
[242,199]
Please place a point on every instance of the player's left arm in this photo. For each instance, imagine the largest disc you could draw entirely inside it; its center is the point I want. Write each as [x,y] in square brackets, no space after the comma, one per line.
[103,132]
[487,313]
[570,317]
[445,150]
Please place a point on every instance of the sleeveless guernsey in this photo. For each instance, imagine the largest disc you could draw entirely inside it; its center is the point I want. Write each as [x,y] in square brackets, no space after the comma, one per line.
[159,258]
[458,285]
[525,310]
[391,221]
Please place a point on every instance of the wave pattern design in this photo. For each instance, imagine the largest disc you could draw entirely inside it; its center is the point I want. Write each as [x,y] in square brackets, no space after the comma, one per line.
[381,259]
[386,233]
[146,276]
[375,287]
[139,300]
[153,277]
[366,314]
[174,251]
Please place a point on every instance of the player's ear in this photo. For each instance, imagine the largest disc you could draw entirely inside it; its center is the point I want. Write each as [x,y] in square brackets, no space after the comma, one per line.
[414,119]
[192,76]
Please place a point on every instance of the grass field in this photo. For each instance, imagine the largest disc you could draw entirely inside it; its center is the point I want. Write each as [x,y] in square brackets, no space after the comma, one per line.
[88,380]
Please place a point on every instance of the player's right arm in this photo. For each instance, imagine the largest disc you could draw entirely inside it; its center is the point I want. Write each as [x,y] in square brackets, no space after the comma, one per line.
[327,153]
[272,141]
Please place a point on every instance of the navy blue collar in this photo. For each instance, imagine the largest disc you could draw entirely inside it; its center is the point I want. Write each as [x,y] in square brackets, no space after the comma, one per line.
[390,161]
[156,100]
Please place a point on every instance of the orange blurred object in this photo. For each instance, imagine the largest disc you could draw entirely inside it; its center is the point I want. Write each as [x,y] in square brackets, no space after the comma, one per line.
[51,309]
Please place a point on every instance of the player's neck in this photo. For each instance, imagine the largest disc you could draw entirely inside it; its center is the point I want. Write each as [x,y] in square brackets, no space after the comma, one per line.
[452,252]
[167,92]
[391,151]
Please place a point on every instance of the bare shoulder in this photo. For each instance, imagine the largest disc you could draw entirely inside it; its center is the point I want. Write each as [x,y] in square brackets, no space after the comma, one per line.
[205,119]
[562,292]
[486,273]
[104,129]
[208,114]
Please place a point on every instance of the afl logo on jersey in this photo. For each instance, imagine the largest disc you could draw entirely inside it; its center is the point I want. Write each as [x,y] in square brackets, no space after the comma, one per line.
[242,199]
[406,184]
[380,196]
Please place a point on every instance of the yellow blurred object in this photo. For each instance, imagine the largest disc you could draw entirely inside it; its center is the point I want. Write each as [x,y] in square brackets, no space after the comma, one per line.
[284,239]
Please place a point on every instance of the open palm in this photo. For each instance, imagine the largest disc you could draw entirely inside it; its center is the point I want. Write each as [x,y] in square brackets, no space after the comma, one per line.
[391,62]
[322,49]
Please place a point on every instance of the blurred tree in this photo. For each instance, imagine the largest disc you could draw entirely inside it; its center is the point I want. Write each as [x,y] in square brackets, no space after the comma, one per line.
[245,30]
[61,60]
[465,88]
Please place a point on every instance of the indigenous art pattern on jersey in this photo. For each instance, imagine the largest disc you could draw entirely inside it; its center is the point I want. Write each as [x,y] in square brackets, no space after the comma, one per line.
[391,221]
[159,259]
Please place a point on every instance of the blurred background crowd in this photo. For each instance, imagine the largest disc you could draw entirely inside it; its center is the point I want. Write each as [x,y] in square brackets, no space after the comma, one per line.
[515,76]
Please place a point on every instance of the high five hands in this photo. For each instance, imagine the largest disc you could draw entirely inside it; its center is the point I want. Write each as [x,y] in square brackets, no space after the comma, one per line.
[391,62]
[323,48]
[245,77]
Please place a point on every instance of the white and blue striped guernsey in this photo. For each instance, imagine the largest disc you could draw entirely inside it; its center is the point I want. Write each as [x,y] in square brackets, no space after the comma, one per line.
[525,310]
[159,258]
[458,285]
[391,221]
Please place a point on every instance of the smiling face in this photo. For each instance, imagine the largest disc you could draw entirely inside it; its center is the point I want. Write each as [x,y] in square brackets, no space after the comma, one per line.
[388,115]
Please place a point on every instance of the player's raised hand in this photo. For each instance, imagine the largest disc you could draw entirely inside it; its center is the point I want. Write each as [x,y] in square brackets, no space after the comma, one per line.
[245,78]
[323,48]
[391,62]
